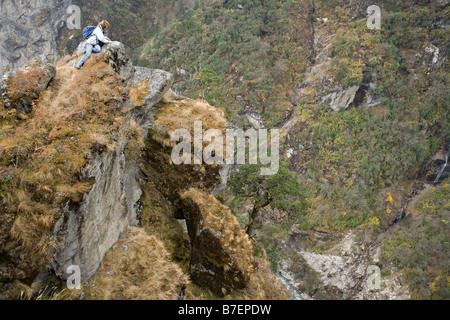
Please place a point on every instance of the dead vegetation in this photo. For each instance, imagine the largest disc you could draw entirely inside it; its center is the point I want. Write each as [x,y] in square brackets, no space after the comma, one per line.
[138,268]
[41,157]
[138,93]
[175,114]
[43,153]
[219,218]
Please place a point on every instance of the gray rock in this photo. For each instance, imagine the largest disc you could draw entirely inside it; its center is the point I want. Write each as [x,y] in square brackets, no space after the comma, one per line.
[29,29]
[159,82]
[104,215]
[81,49]
[341,98]
[256,120]
[119,60]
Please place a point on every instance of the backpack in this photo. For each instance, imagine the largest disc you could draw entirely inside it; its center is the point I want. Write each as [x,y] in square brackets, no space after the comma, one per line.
[87,32]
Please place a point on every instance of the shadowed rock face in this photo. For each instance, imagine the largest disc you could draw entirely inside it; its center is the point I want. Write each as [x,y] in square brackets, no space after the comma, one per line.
[19,88]
[29,29]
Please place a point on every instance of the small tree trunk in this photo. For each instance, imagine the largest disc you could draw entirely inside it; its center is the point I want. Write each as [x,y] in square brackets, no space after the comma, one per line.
[256,209]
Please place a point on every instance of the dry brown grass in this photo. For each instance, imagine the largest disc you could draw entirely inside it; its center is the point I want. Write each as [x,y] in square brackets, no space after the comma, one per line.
[181,114]
[138,93]
[263,284]
[33,232]
[74,192]
[44,152]
[138,268]
[175,114]
[24,83]
[78,111]
[20,291]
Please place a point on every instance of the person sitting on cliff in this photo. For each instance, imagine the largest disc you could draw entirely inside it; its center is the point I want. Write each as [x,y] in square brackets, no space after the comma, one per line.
[92,43]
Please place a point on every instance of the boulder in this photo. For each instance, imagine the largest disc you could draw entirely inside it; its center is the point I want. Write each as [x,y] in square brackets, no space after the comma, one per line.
[221,258]
[19,88]
[341,98]
[81,49]
[119,60]
[148,88]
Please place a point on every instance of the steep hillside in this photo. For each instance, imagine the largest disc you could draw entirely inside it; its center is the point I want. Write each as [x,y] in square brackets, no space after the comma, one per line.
[243,56]
[146,17]
[85,160]
[365,115]
[86,176]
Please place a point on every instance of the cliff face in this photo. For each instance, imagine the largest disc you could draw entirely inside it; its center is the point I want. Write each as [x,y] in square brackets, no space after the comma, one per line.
[94,163]
[103,217]
[111,206]
[29,29]
[85,226]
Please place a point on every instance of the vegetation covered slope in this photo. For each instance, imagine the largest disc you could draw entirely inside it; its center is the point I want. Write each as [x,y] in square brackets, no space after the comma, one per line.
[361,161]
[43,153]
[85,120]
[421,245]
[281,59]
[240,55]
[132,22]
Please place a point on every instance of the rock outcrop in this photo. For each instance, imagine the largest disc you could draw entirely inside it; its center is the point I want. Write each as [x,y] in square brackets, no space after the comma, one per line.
[221,250]
[151,93]
[172,113]
[102,202]
[319,84]
[104,215]
[110,207]
[108,125]
[340,273]
[341,99]
[19,88]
